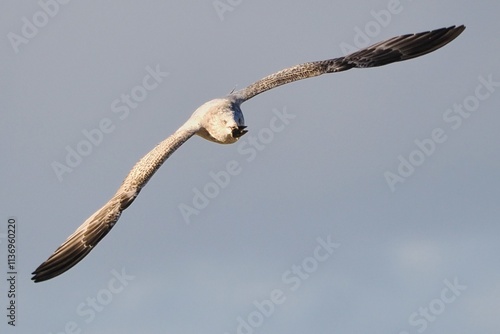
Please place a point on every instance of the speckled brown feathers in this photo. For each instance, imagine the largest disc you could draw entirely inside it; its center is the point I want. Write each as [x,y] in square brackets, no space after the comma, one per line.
[392,50]
[221,121]
[86,237]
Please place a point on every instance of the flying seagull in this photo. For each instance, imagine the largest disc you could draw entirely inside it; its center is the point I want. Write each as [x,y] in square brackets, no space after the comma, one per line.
[221,121]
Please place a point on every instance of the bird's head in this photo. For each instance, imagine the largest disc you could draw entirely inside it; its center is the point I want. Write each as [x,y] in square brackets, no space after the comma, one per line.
[221,121]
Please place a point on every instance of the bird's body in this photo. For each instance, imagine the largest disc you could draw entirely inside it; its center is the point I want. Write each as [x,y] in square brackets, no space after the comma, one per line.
[221,121]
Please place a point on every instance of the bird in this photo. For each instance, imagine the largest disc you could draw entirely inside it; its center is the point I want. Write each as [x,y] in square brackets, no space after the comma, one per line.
[221,121]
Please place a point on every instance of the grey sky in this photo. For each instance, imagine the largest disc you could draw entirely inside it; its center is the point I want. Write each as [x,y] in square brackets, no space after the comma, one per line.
[420,256]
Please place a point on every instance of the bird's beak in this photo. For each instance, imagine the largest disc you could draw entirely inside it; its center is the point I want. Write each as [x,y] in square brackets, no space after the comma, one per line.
[239,131]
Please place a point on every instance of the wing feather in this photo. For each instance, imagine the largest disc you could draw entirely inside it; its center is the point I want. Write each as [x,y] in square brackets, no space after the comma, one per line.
[95,228]
[392,50]
[88,235]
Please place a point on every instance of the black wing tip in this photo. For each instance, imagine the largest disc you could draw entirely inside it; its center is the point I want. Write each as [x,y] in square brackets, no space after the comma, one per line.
[50,269]
[451,32]
[441,36]
[39,275]
[46,271]
[37,278]
[453,27]
[60,262]
[79,244]
[457,29]
[43,275]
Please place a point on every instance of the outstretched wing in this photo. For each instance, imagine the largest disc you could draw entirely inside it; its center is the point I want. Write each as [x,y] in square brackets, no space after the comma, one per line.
[86,237]
[392,50]
[80,243]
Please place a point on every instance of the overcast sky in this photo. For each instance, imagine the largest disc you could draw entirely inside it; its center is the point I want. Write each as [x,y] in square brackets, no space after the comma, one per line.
[364,201]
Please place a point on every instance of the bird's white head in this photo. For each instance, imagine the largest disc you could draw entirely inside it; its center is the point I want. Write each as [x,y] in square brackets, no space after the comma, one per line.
[221,121]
